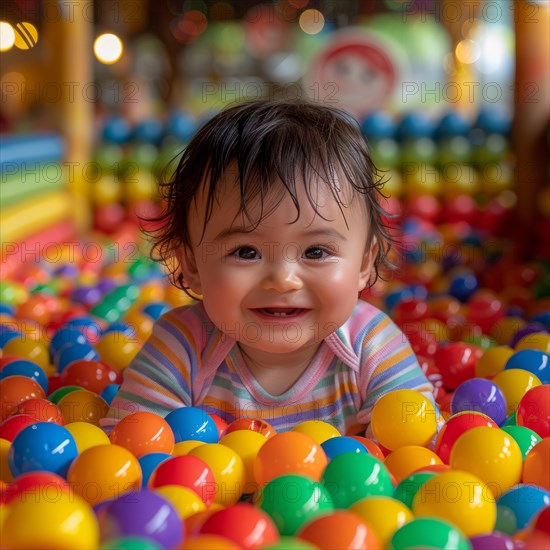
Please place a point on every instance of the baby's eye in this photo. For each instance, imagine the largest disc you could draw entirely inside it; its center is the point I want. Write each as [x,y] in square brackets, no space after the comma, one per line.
[317,253]
[246,253]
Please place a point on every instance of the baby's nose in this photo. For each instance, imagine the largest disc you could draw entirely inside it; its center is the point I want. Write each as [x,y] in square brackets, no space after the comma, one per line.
[282,276]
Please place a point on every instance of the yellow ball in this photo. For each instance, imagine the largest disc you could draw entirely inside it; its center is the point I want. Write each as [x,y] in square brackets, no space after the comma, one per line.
[208,542]
[403,417]
[185,501]
[5,472]
[141,323]
[87,435]
[117,349]
[83,406]
[384,514]
[247,444]
[493,361]
[28,348]
[515,383]
[184,447]
[458,497]
[504,329]
[228,469]
[490,454]
[318,430]
[538,340]
[408,459]
[63,523]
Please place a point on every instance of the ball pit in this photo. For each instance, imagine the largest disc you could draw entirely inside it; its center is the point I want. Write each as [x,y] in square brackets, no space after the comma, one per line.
[477,320]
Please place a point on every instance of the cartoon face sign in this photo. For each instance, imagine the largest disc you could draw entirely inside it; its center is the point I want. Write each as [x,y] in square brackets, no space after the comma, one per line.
[354,73]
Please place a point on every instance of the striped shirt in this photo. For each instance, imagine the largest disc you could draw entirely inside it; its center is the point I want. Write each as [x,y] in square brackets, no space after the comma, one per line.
[188,361]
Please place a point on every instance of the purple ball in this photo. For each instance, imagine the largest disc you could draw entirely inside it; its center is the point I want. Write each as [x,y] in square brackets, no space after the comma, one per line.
[530,328]
[494,541]
[144,514]
[481,395]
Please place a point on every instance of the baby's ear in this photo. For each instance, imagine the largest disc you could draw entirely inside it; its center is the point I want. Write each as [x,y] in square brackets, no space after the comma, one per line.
[367,263]
[188,268]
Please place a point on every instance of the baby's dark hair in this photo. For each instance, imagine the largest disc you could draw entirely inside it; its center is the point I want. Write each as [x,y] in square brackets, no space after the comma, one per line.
[273,145]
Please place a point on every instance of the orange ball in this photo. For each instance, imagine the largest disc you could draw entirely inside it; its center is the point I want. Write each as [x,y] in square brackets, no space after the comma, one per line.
[142,433]
[83,406]
[41,409]
[340,530]
[289,453]
[16,389]
[408,459]
[536,468]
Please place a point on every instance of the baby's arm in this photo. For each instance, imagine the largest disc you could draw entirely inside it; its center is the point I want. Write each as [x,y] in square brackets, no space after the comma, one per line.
[158,379]
[388,363]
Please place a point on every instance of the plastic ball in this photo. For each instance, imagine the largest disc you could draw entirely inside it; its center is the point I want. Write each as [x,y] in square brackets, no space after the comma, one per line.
[16,389]
[492,361]
[429,533]
[372,448]
[104,472]
[87,435]
[535,465]
[482,395]
[58,394]
[532,360]
[403,417]
[83,406]
[494,540]
[148,463]
[27,348]
[339,445]
[26,368]
[458,497]
[504,330]
[247,444]
[539,341]
[184,447]
[90,375]
[74,352]
[406,489]
[253,424]
[525,501]
[65,522]
[318,430]
[192,423]
[352,476]
[5,472]
[378,125]
[290,543]
[228,469]
[498,461]
[514,384]
[292,500]
[14,424]
[221,424]
[109,392]
[182,125]
[42,446]
[289,453]
[408,459]
[185,501]
[117,350]
[534,410]
[188,471]
[524,437]
[384,514]
[145,514]
[415,124]
[42,410]
[341,530]
[130,543]
[46,485]
[142,433]
[117,130]
[456,362]
[245,525]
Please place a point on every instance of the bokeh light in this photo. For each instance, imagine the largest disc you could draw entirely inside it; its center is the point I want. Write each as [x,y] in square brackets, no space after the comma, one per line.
[7,36]
[312,21]
[26,35]
[467,51]
[108,48]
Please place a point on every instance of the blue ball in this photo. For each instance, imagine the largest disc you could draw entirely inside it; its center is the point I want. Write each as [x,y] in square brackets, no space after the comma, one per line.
[7,334]
[109,392]
[65,336]
[149,462]
[117,130]
[494,121]
[415,125]
[453,124]
[182,125]
[462,286]
[192,423]
[339,445]
[149,131]
[156,309]
[123,328]
[22,367]
[74,352]
[532,360]
[525,501]
[543,318]
[42,446]
[6,309]
[378,125]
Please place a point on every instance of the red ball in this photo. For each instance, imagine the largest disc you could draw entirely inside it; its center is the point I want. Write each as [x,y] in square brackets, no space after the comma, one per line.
[42,410]
[244,524]
[254,424]
[14,424]
[409,311]
[188,471]
[90,375]
[107,218]
[484,310]
[221,424]
[426,207]
[534,410]
[423,341]
[39,484]
[456,361]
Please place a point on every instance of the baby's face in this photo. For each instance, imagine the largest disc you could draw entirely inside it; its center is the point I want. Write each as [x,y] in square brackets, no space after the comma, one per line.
[284,285]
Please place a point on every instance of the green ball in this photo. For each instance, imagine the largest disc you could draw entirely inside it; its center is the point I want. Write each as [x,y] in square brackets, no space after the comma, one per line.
[385,153]
[56,396]
[456,149]
[290,543]
[130,543]
[506,520]
[409,486]
[510,421]
[109,157]
[292,500]
[429,533]
[524,437]
[422,150]
[349,477]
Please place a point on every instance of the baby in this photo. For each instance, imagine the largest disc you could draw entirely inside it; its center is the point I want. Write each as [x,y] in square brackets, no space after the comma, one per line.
[273,219]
